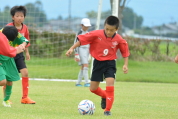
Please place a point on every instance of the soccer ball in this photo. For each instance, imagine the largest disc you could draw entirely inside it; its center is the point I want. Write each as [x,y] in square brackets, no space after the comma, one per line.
[86,107]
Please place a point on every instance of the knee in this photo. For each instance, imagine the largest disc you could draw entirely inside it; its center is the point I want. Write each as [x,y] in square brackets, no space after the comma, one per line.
[3,82]
[24,72]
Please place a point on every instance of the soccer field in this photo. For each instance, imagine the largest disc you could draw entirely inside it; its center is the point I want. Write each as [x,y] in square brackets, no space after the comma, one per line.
[59,100]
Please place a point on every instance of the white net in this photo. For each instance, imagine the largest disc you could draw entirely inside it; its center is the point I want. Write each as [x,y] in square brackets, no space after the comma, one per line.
[51,37]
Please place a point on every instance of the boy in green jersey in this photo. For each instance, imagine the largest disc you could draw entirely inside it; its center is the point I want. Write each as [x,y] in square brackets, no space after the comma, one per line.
[8,69]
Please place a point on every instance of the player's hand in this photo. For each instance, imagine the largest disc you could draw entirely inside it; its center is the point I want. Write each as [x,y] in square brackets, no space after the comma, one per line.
[125,69]
[77,58]
[20,49]
[69,52]
[27,56]
[176,59]
[22,46]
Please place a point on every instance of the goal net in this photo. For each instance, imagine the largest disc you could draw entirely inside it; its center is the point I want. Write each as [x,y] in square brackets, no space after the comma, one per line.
[50,38]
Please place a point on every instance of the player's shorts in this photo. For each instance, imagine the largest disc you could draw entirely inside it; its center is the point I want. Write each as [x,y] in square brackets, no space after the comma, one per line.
[9,71]
[20,61]
[2,73]
[83,54]
[103,69]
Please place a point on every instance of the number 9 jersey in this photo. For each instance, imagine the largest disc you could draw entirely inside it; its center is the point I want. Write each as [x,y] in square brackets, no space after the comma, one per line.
[102,47]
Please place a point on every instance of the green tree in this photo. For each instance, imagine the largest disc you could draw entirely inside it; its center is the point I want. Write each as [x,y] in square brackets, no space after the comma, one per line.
[5,16]
[35,14]
[93,14]
[144,31]
[131,19]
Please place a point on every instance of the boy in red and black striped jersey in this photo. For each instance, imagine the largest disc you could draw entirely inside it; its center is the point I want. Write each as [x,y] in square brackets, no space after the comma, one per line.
[103,47]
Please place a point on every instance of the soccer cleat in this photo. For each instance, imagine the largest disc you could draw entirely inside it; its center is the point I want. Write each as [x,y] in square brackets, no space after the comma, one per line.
[107,113]
[103,103]
[78,85]
[87,85]
[27,101]
[6,103]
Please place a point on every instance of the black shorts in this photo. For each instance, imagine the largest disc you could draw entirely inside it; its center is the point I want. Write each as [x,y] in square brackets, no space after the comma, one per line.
[20,61]
[103,69]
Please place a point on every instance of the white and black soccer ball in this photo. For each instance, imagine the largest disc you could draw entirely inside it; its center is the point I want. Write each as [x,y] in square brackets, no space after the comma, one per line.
[86,107]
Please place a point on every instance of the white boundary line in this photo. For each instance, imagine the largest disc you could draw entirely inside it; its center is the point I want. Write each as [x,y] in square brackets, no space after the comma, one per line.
[62,80]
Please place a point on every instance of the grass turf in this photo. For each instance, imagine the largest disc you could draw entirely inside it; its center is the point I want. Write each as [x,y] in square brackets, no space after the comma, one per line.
[164,72]
[59,100]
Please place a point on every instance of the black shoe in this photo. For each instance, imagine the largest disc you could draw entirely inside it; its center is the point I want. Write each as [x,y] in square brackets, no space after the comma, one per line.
[107,113]
[103,103]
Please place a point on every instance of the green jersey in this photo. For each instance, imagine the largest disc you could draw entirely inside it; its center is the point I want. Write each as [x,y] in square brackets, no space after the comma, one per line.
[19,40]
[8,69]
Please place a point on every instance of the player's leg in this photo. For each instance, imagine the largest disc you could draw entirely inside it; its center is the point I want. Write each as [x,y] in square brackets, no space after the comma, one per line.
[84,53]
[110,78]
[11,75]
[80,76]
[96,78]
[85,75]
[2,77]
[25,86]
[2,81]
[94,88]
[21,66]
[8,92]
[109,95]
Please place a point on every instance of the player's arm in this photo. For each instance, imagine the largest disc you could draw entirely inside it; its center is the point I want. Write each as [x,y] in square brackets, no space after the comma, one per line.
[125,66]
[124,49]
[69,52]
[7,50]
[176,59]
[22,40]
[77,57]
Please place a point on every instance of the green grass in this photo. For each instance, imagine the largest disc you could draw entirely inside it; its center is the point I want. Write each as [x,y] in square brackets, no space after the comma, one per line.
[164,72]
[59,100]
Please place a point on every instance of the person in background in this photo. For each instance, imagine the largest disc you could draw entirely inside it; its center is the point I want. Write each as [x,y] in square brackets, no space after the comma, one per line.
[18,14]
[82,55]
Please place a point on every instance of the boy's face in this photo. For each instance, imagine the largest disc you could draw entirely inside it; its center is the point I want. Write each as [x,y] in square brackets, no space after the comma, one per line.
[18,17]
[85,28]
[109,30]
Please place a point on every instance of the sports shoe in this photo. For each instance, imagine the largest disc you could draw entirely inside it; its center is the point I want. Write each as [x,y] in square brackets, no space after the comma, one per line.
[107,113]
[78,85]
[27,101]
[87,85]
[103,103]
[6,103]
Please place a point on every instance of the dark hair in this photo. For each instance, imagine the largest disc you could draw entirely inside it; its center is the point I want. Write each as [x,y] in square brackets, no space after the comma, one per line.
[113,21]
[18,9]
[10,32]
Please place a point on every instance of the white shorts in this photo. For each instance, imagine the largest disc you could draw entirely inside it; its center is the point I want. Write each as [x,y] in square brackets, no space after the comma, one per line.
[84,55]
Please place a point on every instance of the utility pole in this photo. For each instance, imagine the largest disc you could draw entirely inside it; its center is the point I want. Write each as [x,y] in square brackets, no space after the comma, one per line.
[115,7]
[69,14]
[97,27]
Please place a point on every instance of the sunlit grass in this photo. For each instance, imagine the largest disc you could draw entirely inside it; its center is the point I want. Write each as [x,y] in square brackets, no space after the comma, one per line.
[59,100]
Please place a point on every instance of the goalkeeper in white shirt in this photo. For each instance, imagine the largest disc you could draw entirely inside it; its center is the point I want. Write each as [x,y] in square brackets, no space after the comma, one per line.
[82,55]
